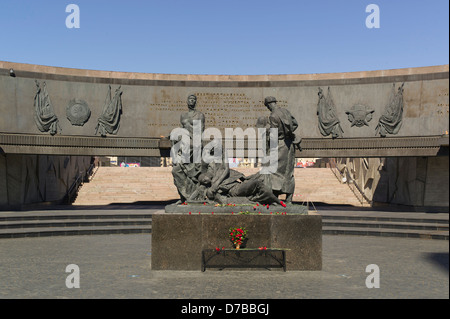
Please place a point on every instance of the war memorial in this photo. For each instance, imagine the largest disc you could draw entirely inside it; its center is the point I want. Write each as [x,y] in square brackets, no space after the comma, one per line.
[54,120]
[59,117]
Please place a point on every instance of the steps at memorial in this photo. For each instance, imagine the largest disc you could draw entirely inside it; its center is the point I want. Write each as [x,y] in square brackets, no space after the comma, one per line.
[144,184]
[387,224]
[128,185]
[318,185]
[139,221]
[54,223]
[313,185]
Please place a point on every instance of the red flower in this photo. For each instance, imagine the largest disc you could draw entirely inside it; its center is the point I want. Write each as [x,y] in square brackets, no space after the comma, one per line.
[282,204]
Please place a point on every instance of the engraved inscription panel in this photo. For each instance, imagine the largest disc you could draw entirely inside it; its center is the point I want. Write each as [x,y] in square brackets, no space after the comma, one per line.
[222,110]
[443,101]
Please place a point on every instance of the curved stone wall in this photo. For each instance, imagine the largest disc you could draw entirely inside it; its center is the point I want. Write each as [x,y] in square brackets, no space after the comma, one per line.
[57,111]
[152,103]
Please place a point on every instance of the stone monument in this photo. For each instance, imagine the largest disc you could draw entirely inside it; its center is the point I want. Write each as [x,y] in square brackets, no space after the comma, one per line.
[215,198]
[215,183]
[185,173]
[283,181]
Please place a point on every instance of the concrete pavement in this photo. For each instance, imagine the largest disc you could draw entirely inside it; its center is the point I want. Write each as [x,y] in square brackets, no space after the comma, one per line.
[119,266]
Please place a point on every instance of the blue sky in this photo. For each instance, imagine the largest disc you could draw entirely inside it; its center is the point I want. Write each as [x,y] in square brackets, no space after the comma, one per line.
[226,37]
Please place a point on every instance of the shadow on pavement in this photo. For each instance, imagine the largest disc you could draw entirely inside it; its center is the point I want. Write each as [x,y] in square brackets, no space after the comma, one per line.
[439,259]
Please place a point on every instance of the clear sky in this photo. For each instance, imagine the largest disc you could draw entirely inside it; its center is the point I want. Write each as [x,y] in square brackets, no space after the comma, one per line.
[226,36]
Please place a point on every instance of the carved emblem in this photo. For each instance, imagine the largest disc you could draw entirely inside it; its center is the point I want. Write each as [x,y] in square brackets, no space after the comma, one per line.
[360,115]
[78,112]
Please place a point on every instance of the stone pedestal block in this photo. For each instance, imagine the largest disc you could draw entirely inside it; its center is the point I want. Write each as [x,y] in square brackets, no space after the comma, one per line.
[178,239]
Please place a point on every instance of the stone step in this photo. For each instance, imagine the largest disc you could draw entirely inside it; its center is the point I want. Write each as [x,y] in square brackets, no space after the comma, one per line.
[129,185]
[127,221]
[385,224]
[73,223]
[380,223]
[144,213]
[73,231]
[386,232]
[394,217]
[65,223]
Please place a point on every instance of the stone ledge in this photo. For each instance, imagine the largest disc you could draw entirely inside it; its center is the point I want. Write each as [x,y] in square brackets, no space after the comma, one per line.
[24,69]
[253,209]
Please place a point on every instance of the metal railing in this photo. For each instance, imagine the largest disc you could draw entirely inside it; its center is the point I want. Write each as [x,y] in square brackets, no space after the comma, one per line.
[81,177]
[345,177]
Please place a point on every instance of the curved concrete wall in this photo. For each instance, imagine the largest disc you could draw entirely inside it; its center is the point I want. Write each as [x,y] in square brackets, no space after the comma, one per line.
[152,103]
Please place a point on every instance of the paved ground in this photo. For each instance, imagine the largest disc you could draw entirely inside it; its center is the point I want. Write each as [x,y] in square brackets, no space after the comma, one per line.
[119,266]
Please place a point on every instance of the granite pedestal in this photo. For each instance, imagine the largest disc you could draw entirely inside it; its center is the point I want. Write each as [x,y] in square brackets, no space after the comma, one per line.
[178,239]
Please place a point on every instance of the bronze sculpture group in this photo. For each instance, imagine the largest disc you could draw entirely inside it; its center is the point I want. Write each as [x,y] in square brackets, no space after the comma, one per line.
[216,182]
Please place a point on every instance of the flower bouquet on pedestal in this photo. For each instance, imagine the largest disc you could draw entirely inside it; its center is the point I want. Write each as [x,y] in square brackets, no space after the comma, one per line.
[238,236]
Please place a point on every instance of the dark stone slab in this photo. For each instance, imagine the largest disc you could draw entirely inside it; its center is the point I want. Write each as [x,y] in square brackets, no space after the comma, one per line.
[216,229]
[178,239]
[175,242]
[303,235]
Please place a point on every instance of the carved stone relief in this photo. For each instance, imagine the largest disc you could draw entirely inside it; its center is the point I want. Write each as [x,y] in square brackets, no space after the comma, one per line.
[390,121]
[326,112]
[78,112]
[44,116]
[109,120]
[360,115]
